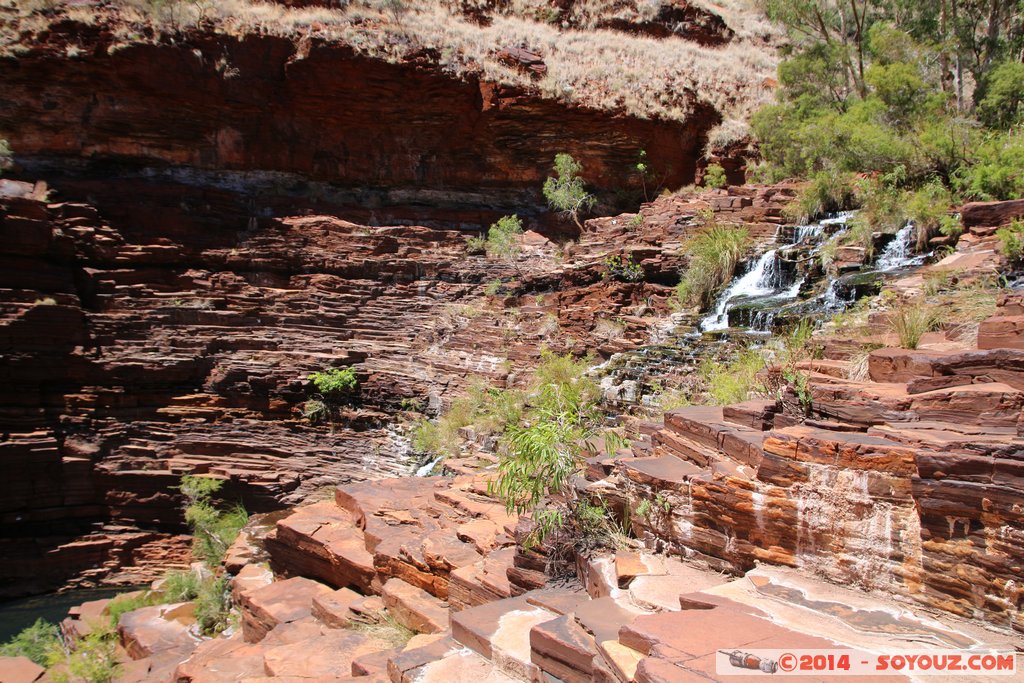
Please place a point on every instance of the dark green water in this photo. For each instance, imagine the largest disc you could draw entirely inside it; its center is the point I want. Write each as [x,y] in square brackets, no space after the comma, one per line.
[17,614]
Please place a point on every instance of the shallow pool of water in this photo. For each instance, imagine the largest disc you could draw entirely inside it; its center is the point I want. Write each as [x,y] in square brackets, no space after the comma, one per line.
[21,612]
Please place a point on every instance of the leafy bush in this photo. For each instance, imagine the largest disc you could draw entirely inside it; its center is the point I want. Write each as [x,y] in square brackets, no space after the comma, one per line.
[476,245]
[543,451]
[94,659]
[213,530]
[826,192]
[998,168]
[503,238]
[566,192]
[910,322]
[213,605]
[621,269]
[35,642]
[928,208]
[714,253]
[714,176]
[486,409]
[1003,103]
[335,382]
[1011,242]
[731,382]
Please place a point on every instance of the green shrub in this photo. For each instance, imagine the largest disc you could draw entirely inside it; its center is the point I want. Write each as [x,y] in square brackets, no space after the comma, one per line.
[335,382]
[35,642]
[826,192]
[94,659]
[1011,242]
[486,409]
[714,176]
[998,168]
[928,208]
[503,238]
[213,530]
[714,253]
[1003,103]
[621,269]
[542,452]
[213,605]
[476,245]
[731,382]
[566,192]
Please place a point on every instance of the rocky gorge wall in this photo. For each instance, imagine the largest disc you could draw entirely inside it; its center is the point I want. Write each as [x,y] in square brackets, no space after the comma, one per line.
[312,110]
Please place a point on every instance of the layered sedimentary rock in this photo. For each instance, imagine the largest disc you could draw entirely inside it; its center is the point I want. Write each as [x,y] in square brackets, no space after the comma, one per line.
[319,110]
[173,335]
[908,482]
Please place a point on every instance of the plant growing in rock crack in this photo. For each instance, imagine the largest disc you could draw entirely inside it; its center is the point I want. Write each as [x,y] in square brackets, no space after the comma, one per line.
[622,269]
[503,239]
[714,176]
[6,156]
[714,252]
[565,192]
[213,529]
[334,387]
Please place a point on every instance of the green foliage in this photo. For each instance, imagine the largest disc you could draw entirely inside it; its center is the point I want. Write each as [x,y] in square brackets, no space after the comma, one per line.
[503,238]
[1011,242]
[714,253]
[800,383]
[335,382]
[910,322]
[870,86]
[543,451]
[1003,103]
[714,176]
[6,156]
[476,245]
[827,191]
[731,382]
[213,529]
[213,605]
[928,208]
[486,409]
[636,221]
[997,171]
[180,586]
[566,192]
[94,659]
[129,602]
[622,269]
[493,287]
[35,642]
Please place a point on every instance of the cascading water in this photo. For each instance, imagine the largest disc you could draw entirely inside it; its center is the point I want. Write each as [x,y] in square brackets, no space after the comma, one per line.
[766,283]
[897,254]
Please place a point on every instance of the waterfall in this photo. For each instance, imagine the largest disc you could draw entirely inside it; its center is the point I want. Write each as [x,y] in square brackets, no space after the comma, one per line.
[757,281]
[897,253]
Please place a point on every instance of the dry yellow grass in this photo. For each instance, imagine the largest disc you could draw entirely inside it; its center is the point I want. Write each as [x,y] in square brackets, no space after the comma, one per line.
[602,69]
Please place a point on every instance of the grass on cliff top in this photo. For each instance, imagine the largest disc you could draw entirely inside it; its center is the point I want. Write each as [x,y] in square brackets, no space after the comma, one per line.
[601,69]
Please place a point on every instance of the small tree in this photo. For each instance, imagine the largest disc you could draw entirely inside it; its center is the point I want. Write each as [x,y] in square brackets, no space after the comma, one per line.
[714,176]
[503,238]
[566,192]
